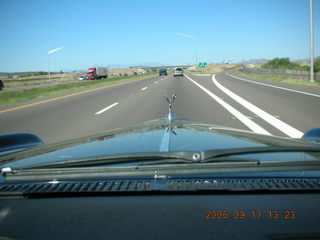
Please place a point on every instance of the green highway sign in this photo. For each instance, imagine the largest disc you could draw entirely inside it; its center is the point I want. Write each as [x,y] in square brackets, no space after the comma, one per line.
[203,65]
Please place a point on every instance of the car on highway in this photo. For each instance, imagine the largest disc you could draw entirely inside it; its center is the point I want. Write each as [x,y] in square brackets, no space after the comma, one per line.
[178,72]
[156,178]
[163,71]
[83,77]
[1,85]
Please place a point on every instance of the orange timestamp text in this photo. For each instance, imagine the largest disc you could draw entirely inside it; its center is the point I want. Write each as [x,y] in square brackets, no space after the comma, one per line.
[254,214]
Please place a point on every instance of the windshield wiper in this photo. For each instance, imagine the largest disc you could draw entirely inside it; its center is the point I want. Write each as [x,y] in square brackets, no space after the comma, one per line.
[146,158]
[223,155]
[211,160]
[212,154]
[182,157]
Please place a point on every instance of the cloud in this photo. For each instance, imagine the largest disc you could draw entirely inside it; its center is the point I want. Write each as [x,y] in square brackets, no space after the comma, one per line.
[54,50]
[185,35]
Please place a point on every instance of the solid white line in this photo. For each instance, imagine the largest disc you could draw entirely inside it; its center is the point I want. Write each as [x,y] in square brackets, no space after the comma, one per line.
[144,88]
[282,126]
[246,121]
[269,85]
[107,108]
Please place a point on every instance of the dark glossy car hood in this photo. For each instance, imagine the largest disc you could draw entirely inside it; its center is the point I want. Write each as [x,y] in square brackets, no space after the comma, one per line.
[153,136]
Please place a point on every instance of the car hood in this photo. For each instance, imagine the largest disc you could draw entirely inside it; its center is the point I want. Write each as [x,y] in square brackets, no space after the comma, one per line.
[152,136]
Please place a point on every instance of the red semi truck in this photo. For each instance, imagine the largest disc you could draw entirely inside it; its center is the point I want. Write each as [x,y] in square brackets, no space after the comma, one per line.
[97,73]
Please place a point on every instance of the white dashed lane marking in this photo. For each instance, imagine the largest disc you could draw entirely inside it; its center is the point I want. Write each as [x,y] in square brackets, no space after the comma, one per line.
[107,108]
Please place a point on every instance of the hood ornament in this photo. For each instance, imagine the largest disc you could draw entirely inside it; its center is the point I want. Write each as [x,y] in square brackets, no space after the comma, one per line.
[170,116]
[165,141]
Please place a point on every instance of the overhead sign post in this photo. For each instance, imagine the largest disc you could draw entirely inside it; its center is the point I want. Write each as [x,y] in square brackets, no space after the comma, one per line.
[203,64]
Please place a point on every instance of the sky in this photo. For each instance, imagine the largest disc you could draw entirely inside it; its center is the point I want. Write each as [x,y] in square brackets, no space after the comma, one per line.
[169,32]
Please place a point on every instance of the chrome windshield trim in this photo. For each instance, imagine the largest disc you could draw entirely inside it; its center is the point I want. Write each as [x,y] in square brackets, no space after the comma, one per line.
[165,141]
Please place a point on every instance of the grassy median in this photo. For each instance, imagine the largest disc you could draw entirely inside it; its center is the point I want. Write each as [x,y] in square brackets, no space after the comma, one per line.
[7,98]
[278,79]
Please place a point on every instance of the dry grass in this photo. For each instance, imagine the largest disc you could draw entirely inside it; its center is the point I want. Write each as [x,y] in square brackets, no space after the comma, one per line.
[215,68]
[7,98]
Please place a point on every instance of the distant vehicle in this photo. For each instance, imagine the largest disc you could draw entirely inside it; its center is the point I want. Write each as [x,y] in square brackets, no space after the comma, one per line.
[1,85]
[97,73]
[178,72]
[125,74]
[83,77]
[163,72]
[142,71]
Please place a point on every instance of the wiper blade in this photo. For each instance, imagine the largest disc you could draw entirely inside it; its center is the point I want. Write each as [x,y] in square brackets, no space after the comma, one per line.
[186,157]
[153,158]
[211,154]
[209,160]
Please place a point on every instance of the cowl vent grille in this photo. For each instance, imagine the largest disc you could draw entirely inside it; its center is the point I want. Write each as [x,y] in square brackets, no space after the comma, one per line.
[162,185]
[245,184]
[80,187]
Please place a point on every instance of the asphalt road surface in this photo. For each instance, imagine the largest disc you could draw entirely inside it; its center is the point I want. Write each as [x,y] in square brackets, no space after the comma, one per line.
[260,106]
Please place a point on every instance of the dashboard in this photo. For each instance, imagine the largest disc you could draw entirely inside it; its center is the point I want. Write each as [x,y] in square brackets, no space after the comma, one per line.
[153,214]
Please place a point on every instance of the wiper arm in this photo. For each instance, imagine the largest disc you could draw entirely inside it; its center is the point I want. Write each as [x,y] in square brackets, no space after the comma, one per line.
[153,158]
[212,154]
[216,156]
[209,160]
[186,157]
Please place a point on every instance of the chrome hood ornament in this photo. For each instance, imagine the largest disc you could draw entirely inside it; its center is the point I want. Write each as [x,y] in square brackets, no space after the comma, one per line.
[165,142]
[170,116]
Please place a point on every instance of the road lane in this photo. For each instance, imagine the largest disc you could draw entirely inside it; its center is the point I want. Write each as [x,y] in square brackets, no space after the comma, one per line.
[69,117]
[76,116]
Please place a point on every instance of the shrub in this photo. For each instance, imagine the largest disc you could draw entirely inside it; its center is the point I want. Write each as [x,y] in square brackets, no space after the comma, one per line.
[317,65]
[281,63]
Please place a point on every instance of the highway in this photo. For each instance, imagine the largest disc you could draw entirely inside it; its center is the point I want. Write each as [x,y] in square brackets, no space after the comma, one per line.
[260,106]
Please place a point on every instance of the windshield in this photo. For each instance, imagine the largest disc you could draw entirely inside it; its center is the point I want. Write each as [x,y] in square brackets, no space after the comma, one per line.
[224,75]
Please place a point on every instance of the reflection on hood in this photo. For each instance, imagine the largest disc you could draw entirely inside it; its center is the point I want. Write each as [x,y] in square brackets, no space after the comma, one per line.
[182,135]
